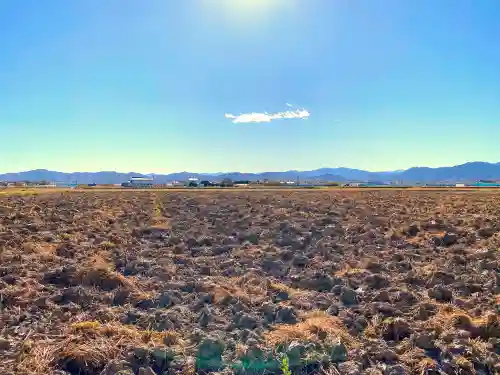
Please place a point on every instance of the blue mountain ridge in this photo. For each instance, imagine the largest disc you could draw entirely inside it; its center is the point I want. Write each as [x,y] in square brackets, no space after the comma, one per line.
[467,172]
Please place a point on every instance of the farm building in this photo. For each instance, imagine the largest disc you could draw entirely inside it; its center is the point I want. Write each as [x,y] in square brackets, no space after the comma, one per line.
[206,183]
[141,182]
[65,184]
[242,183]
[175,184]
[486,184]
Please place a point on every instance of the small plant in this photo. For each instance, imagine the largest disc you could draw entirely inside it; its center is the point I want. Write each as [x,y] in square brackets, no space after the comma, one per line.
[65,236]
[107,245]
[85,326]
[285,366]
[157,207]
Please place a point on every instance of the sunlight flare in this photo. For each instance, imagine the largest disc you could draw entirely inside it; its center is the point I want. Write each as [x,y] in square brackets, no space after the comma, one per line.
[246,11]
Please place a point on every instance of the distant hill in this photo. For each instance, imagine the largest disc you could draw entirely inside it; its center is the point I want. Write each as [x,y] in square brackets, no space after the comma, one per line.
[467,172]
[463,173]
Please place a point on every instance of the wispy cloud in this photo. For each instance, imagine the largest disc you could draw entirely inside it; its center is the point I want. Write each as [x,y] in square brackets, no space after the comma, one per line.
[268,117]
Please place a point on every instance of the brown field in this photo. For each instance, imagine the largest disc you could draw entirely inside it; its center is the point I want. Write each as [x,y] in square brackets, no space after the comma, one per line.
[327,281]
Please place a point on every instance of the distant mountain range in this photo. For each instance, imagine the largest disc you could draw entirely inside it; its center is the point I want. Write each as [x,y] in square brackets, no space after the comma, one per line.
[468,172]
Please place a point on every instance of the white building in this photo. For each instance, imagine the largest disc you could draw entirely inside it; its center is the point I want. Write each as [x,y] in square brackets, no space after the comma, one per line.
[141,182]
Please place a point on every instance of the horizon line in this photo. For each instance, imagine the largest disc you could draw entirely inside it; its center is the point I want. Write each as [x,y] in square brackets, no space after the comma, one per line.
[229,172]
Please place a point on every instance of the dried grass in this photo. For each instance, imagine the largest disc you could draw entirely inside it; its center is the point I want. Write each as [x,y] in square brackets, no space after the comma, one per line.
[347,270]
[172,338]
[99,272]
[292,292]
[104,279]
[465,364]
[161,223]
[45,248]
[450,316]
[317,326]
[224,294]
[100,260]
[426,365]
[373,328]
[479,348]
[249,289]
[89,345]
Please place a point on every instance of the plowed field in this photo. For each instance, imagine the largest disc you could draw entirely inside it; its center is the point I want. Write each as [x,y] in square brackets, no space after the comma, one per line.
[250,282]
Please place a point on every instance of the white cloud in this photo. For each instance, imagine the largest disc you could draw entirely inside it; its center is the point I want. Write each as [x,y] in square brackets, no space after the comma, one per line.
[268,117]
[289,105]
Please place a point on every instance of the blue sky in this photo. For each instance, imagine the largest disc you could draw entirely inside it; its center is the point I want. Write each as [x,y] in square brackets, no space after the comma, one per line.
[145,86]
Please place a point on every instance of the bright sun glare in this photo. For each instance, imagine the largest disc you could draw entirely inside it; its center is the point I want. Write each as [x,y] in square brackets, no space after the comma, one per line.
[243,8]
[251,4]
